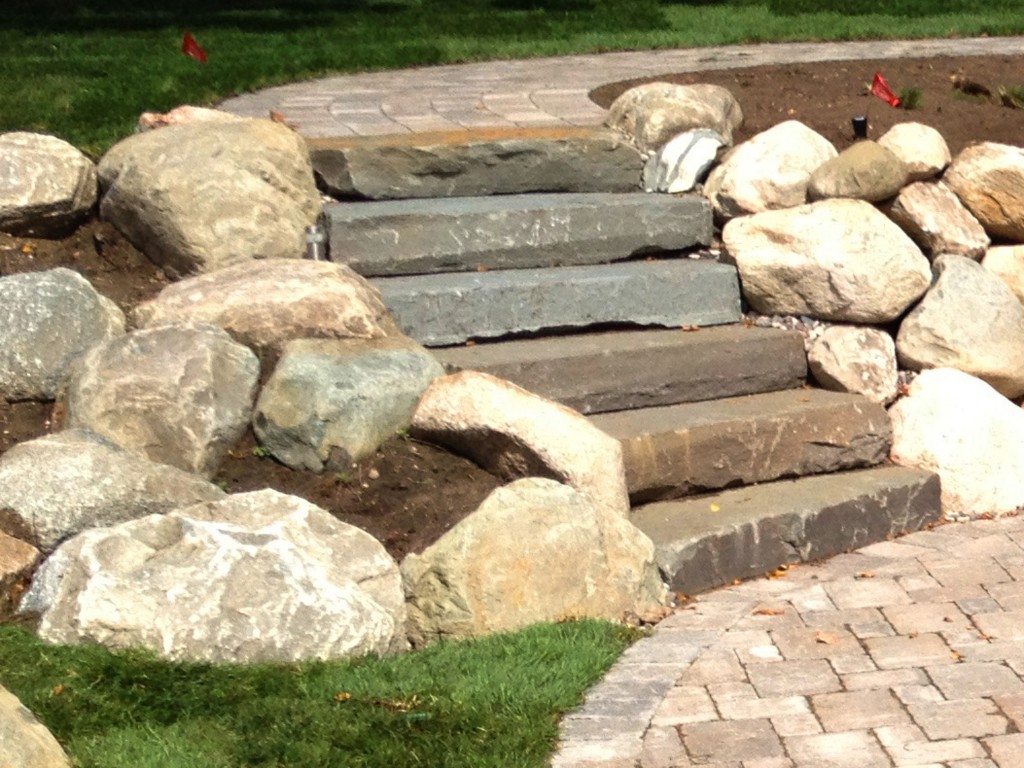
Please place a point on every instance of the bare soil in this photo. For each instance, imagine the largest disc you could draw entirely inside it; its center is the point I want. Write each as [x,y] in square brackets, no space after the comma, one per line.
[409,493]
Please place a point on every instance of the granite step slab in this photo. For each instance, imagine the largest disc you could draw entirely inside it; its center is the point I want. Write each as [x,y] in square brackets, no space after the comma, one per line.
[705,542]
[444,309]
[464,234]
[622,370]
[691,448]
[482,162]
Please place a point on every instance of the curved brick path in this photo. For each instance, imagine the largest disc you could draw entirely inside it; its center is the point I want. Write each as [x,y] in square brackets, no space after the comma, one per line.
[906,653]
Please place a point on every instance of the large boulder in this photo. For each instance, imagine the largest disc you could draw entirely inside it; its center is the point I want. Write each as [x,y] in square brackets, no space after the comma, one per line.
[177,395]
[47,187]
[937,221]
[535,550]
[969,320]
[514,433]
[864,171]
[837,260]
[770,171]
[957,426]
[330,402]
[26,742]
[256,577]
[1007,263]
[47,320]
[846,358]
[56,486]
[653,113]
[989,179]
[205,195]
[267,303]
[921,148]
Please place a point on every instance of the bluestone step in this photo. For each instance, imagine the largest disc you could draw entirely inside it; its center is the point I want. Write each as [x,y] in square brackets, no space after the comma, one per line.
[464,234]
[490,161]
[451,308]
[621,370]
[691,448]
[708,541]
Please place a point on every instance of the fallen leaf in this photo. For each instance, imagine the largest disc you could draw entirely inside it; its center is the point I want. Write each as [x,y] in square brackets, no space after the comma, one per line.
[865,575]
[715,508]
[690,328]
[342,696]
[826,638]
[956,656]
[765,611]
[58,689]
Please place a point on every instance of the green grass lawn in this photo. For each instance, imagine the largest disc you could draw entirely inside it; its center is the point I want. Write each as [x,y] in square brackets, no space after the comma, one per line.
[489,703]
[85,69]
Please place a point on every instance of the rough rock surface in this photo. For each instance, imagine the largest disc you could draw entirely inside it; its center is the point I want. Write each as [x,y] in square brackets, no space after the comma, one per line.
[969,320]
[257,577]
[535,550]
[855,359]
[1007,263]
[989,179]
[56,486]
[266,303]
[957,426]
[770,171]
[824,260]
[682,162]
[46,185]
[205,195]
[17,561]
[654,113]
[937,221]
[182,115]
[177,395]
[864,171]
[921,148]
[47,319]
[330,402]
[26,742]
[516,434]
[477,163]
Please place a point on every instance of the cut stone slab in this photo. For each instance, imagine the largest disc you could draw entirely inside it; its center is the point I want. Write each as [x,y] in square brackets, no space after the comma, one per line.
[461,234]
[443,309]
[622,370]
[704,542]
[477,163]
[695,447]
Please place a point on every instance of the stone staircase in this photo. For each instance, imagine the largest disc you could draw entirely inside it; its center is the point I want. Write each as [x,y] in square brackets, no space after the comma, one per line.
[735,465]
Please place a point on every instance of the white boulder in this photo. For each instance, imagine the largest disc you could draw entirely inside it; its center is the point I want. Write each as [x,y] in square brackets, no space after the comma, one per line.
[921,148]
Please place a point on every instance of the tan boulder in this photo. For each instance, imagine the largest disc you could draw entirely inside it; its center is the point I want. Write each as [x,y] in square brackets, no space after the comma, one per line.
[989,179]
[937,221]
[17,561]
[921,148]
[654,113]
[1007,263]
[24,741]
[855,359]
[864,171]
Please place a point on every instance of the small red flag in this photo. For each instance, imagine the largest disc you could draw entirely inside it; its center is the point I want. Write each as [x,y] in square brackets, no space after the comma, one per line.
[190,47]
[881,89]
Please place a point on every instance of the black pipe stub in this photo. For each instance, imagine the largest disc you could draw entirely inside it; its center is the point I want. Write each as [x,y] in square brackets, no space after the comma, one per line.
[860,127]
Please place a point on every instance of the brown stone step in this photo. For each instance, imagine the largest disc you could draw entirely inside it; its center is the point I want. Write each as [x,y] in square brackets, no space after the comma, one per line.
[692,448]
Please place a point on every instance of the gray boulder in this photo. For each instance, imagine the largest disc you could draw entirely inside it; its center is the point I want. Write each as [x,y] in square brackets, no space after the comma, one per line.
[205,195]
[47,187]
[56,486]
[535,550]
[267,303]
[176,395]
[257,577]
[26,742]
[653,113]
[330,402]
[47,320]
[864,171]
[969,320]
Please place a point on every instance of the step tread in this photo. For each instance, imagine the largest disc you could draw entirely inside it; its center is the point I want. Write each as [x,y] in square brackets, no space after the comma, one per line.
[703,542]
[599,372]
[690,448]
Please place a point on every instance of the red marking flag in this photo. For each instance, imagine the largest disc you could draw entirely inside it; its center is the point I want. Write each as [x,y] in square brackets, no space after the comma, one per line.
[881,89]
[190,47]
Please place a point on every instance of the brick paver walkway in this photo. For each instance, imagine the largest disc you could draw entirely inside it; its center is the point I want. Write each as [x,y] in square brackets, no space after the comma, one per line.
[907,653]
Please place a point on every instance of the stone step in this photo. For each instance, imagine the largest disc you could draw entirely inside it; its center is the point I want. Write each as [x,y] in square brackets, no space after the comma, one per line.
[704,542]
[466,234]
[622,370]
[691,448]
[443,309]
[492,161]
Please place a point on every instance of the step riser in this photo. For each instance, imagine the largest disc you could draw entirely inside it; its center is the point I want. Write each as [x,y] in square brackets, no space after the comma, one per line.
[596,373]
[438,310]
[755,530]
[699,447]
[409,237]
